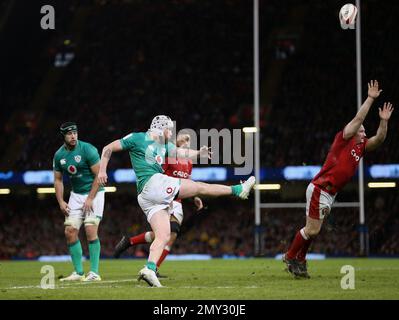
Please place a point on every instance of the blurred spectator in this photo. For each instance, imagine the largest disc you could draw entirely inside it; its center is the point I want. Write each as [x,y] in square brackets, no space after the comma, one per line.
[225,228]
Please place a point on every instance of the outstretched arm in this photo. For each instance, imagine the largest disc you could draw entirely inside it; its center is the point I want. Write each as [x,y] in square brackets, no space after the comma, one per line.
[375,141]
[203,152]
[352,127]
[114,146]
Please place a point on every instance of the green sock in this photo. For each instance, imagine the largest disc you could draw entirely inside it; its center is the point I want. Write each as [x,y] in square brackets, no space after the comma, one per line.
[152,266]
[236,189]
[75,250]
[94,252]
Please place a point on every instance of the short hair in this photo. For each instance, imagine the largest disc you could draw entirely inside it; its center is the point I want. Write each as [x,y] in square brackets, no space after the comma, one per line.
[182,137]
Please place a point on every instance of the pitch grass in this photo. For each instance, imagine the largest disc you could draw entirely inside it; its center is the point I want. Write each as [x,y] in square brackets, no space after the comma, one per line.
[215,279]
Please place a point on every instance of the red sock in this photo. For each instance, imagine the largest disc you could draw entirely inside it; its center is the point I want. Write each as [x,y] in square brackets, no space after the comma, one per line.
[139,239]
[301,256]
[165,252]
[297,244]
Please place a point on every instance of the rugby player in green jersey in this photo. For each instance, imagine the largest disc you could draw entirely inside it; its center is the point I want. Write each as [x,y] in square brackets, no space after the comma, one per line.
[81,162]
[156,191]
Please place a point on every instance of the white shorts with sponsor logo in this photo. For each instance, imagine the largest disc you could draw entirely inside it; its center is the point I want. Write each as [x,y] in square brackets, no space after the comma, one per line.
[177,211]
[318,202]
[77,216]
[158,194]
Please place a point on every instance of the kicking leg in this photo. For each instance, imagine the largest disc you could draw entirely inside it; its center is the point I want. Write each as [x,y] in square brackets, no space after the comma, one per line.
[189,189]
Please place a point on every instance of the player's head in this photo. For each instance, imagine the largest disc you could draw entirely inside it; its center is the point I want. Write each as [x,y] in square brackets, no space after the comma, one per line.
[360,134]
[183,140]
[69,131]
[162,126]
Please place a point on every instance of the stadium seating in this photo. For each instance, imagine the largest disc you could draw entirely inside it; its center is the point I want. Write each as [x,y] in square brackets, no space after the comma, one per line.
[192,60]
[40,230]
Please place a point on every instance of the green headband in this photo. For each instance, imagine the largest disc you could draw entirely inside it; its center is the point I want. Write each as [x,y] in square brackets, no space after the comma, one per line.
[67,127]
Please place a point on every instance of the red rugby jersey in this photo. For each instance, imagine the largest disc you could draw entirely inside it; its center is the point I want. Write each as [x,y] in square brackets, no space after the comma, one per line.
[341,163]
[178,168]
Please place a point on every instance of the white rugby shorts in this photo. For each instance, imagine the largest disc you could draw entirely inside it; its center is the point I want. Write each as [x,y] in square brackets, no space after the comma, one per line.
[77,216]
[158,194]
[318,202]
[177,211]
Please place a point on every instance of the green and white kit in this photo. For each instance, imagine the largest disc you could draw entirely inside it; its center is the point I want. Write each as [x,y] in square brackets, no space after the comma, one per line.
[77,165]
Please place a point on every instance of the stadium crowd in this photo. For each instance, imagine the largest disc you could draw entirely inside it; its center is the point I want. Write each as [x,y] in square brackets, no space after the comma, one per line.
[193,60]
[39,230]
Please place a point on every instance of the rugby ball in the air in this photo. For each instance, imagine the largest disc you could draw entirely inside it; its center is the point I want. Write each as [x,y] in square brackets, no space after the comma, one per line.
[347,15]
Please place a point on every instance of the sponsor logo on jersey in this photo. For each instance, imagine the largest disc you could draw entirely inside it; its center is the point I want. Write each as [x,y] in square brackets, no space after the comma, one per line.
[72,169]
[63,161]
[354,154]
[181,174]
[169,190]
[78,158]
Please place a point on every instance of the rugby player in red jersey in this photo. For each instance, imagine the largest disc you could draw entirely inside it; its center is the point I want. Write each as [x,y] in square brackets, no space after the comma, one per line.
[341,164]
[178,168]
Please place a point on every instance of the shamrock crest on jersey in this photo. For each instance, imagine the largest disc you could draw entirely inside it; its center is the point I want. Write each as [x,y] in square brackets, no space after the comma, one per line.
[77,164]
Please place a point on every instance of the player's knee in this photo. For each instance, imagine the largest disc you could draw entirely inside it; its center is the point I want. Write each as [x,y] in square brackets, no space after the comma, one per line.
[70,234]
[163,237]
[312,231]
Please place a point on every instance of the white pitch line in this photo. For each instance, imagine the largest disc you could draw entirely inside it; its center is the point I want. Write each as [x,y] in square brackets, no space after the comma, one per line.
[99,282]
[99,285]
[73,284]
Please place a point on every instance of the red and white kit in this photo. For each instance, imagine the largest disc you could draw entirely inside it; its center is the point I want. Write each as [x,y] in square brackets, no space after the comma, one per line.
[178,168]
[339,168]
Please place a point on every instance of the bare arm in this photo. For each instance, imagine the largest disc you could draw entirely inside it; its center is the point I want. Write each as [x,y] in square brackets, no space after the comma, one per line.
[114,146]
[59,192]
[352,127]
[204,151]
[88,205]
[377,140]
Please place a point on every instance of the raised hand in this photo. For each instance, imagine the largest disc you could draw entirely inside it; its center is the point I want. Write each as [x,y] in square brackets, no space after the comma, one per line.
[386,111]
[374,91]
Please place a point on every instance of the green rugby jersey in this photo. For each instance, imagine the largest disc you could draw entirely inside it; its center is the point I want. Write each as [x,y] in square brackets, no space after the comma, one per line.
[146,155]
[76,163]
